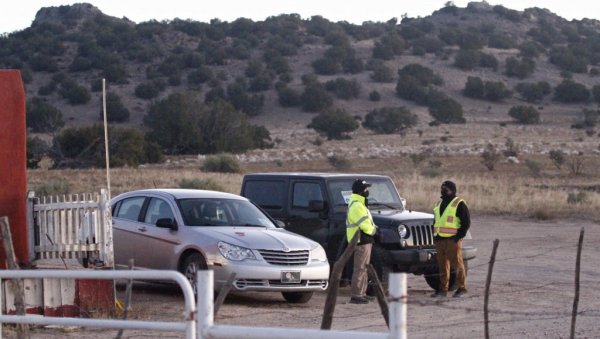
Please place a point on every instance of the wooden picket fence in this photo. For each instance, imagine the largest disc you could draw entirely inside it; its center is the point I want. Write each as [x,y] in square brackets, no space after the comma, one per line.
[75,226]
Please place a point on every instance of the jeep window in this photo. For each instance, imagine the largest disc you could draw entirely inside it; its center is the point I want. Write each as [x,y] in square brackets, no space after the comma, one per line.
[303,192]
[381,192]
[267,194]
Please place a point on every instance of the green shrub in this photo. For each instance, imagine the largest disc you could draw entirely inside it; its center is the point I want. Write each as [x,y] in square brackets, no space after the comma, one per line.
[558,158]
[577,197]
[466,59]
[115,110]
[287,96]
[36,150]
[52,187]
[490,156]
[222,163]
[147,90]
[496,91]
[533,92]
[42,117]
[447,111]
[74,93]
[343,88]
[535,167]
[525,114]
[200,184]
[382,73]
[315,98]
[339,162]
[374,96]
[474,88]
[569,91]
[238,96]
[390,120]
[519,68]
[334,123]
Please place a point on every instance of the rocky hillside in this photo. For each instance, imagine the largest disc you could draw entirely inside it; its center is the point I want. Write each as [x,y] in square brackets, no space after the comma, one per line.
[487,59]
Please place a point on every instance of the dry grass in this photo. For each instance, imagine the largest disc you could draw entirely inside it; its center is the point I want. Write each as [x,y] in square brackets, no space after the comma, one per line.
[509,190]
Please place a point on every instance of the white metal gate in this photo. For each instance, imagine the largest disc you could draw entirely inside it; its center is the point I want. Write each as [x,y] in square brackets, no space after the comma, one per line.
[76,226]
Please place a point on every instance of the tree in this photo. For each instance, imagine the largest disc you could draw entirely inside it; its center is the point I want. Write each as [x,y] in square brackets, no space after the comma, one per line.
[115,110]
[474,88]
[84,147]
[569,91]
[335,123]
[182,124]
[315,98]
[533,92]
[520,69]
[447,111]
[75,94]
[343,89]
[42,117]
[390,120]
[490,156]
[525,114]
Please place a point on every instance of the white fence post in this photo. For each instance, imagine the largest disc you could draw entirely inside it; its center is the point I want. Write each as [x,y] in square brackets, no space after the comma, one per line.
[106,222]
[204,296]
[398,300]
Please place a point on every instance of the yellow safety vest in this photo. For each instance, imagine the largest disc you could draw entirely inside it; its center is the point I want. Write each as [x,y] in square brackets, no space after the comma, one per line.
[359,217]
[448,223]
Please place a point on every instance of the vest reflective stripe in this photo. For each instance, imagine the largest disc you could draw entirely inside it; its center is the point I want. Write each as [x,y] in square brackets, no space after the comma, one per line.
[362,215]
[448,223]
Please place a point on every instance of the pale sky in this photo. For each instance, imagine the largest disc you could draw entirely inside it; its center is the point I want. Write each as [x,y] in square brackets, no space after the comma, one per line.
[18,15]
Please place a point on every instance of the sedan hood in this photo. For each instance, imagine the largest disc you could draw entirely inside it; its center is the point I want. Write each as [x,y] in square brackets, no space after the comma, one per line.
[258,237]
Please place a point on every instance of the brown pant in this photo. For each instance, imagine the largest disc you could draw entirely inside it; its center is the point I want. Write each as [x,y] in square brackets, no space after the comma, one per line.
[449,254]
[362,255]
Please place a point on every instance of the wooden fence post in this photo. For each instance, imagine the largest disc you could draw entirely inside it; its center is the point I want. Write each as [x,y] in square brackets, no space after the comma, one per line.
[380,294]
[11,262]
[334,283]
[577,272]
[488,281]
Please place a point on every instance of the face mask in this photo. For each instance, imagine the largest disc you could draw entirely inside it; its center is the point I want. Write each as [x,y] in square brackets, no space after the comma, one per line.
[445,192]
[365,194]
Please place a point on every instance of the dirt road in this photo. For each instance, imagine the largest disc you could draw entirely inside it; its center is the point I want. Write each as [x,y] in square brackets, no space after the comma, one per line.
[531,297]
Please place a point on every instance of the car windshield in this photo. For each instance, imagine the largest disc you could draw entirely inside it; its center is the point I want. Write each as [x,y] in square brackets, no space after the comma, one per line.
[382,193]
[222,212]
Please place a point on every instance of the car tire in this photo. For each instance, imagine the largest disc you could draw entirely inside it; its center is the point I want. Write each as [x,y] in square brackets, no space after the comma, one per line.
[432,277]
[191,265]
[297,297]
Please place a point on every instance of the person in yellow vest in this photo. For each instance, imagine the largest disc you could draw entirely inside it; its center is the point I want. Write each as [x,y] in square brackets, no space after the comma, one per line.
[451,223]
[359,220]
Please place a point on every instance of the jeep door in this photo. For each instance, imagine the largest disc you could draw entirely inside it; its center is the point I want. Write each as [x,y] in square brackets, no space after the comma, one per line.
[300,219]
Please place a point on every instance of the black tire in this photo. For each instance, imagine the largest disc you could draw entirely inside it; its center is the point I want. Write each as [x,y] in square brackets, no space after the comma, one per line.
[432,277]
[191,265]
[297,297]
[378,260]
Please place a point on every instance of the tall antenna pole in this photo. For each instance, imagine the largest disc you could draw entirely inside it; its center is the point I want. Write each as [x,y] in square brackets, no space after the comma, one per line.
[106,137]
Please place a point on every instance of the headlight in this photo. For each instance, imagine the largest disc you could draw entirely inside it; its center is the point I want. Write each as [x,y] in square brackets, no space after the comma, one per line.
[235,253]
[318,254]
[402,231]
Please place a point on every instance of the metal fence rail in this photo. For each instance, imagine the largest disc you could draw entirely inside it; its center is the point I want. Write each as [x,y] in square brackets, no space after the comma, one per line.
[207,329]
[188,325]
[71,226]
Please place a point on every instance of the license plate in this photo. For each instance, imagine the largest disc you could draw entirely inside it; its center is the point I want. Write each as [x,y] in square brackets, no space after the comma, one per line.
[290,277]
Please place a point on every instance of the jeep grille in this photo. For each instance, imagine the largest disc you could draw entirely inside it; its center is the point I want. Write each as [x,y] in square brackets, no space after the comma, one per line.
[293,258]
[422,235]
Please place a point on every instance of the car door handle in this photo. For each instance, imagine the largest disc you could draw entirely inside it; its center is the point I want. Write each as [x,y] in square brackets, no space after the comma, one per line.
[142,229]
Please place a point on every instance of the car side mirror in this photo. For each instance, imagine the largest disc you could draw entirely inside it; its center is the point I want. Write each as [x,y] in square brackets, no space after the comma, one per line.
[167,223]
[317,206]
[279,223]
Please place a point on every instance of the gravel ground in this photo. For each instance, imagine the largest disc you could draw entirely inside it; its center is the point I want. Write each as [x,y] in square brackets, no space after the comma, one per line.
[531,294]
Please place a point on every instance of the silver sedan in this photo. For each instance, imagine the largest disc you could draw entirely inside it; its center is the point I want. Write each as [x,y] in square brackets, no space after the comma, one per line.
[190,230]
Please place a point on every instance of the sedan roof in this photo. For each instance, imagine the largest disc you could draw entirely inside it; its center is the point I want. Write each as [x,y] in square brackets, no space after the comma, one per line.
[184,193]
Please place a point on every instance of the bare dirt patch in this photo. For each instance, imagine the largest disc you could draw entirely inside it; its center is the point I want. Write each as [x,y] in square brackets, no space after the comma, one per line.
[531,296]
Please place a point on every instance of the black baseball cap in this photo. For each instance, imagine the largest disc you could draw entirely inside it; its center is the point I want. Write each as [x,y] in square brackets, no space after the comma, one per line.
[359,185]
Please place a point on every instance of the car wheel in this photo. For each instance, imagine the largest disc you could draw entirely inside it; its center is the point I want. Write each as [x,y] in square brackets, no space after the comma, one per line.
[191,265]
[297,297]
[432,277]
